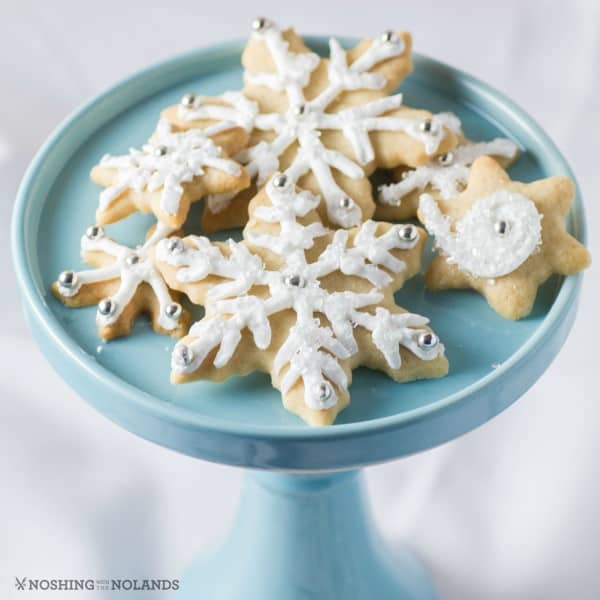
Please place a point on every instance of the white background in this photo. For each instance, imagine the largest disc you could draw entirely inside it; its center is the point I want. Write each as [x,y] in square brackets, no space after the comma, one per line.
[509,511]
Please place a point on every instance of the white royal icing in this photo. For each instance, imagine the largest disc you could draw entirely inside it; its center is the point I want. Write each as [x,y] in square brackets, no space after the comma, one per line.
[311,352]
[187,153]
[130,275]
[446,177]
[239,111]
[292,74]
[476,245]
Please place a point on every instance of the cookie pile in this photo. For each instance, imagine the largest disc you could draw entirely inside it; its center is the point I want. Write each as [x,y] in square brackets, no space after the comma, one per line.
[308,294]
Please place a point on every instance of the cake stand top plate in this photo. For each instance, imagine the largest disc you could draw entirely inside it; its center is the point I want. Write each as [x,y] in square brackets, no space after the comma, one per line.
[242,421]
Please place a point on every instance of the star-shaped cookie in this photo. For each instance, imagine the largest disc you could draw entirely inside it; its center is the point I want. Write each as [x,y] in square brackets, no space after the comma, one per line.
[301,302]
[174,169]
[502,238]
[124,284]
[326,123]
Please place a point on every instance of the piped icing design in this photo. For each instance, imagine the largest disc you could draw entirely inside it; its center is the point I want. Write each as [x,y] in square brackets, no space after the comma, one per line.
[131,267]
[246,294]
[494,237]
[169,160]
[447,173]
[305,119]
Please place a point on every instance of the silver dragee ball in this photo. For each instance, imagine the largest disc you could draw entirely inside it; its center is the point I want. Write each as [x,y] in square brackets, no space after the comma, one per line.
[408,233]
[94,232]
[174,310]
[501,227]
[260,23]
[67,279]
[175,244]
[160,150]
[389,36]
[427,340]
[188,100]
[325,391]
[183,355]
[107,307]
[280,180]
[346,202]
[446,159]
[295,281]
[426,126]
[132,259]
[300,109]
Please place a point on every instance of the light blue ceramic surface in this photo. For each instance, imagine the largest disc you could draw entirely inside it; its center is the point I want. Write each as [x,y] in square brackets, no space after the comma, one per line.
[493,361]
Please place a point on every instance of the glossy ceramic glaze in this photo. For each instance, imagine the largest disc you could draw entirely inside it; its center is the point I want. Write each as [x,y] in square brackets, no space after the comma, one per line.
[242,421]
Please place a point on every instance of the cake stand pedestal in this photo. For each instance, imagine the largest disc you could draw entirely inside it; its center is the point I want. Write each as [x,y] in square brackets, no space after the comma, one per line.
[305,536]
[302,532]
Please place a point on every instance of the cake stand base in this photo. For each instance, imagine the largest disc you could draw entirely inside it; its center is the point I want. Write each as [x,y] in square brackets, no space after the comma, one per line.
[301,537]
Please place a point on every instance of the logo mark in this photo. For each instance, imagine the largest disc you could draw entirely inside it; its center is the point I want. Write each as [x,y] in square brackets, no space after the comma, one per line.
[20,584]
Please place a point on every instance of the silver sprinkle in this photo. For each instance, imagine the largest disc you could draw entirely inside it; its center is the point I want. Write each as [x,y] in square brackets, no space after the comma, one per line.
[260,23]
[501,227]
[280,180]
[67,279]
[107,307]
[446,159]
[408,233]
[427,340]
[175,245]
[94,232]
[188,100]
[174,310]
[183,355]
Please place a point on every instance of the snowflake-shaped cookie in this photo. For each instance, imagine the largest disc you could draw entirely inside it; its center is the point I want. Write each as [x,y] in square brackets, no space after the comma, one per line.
[502,238]
[301,302]
[124,283]
[167,174]
[445,176]
[326,123]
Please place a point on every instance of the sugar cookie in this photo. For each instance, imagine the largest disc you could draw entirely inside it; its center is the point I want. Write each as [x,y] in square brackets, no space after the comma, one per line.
[124,283]
[502,238]
[301,302]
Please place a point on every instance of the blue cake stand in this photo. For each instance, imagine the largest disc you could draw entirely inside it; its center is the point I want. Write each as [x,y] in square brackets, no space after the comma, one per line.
[302,531]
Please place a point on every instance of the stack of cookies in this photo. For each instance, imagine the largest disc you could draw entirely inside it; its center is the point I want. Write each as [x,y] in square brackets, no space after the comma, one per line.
[308,294]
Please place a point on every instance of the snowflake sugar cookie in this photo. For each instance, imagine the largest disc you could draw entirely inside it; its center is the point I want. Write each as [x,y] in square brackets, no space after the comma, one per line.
[444,177]
[301,302]
[174,169]
[124,283]
[502,238]
[326,123]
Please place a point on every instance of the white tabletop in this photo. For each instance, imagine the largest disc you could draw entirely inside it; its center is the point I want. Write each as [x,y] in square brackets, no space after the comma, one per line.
[509,511]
